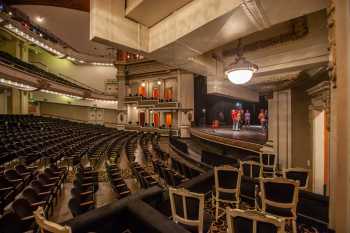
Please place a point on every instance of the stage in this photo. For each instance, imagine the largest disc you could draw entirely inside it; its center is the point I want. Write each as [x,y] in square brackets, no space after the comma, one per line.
[249,138]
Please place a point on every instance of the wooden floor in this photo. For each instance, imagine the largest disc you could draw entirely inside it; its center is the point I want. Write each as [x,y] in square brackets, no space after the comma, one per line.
[254,134]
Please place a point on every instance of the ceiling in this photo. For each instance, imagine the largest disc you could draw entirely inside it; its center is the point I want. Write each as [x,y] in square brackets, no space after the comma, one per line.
[72,26]
[150,12]
[82,5]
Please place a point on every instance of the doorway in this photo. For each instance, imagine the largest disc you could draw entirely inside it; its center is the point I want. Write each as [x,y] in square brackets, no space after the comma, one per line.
[142,118]
[320,152]
[156,119]
[168,119]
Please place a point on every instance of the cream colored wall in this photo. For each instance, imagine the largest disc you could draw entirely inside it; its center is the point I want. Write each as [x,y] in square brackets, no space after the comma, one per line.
[93,76]
[132,114]
[64,111]
[47,97]
[281,127]
[3,102]
[82,113]
[301,130]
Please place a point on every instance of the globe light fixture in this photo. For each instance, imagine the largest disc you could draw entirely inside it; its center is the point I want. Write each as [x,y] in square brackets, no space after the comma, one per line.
[241,71]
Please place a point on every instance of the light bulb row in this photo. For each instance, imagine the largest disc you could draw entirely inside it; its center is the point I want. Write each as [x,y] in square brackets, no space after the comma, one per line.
[101,64]
[48,48]
[61,94]
[18,85]
[33,40]
[103,101]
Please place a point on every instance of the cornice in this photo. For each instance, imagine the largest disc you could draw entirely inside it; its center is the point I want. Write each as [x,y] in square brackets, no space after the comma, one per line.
[255,13]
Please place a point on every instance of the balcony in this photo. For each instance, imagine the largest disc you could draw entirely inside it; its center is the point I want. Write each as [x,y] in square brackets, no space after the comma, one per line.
[132,99]
[144,102]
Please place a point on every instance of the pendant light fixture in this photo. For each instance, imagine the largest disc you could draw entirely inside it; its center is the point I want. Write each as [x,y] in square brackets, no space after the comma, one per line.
[240,71]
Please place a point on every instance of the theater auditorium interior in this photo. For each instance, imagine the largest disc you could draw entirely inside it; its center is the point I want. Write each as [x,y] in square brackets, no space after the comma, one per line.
[175,116]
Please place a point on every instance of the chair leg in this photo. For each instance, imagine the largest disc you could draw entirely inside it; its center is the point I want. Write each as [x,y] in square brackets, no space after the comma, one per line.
[216,210]
[294,226]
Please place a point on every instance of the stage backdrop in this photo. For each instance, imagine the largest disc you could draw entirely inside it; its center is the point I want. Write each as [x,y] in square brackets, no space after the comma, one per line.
[215,107]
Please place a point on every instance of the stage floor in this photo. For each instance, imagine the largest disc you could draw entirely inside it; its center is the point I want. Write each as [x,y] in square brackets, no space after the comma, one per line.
[253,134]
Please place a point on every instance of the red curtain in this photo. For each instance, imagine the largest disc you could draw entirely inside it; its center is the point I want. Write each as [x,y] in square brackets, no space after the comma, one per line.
[156,119]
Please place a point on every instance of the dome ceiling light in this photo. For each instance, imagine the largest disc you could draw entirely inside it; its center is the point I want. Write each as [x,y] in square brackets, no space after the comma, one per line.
[240,71]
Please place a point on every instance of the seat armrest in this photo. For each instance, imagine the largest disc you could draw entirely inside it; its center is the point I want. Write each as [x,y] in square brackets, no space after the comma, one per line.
[87,203]
[27,218]
[7,188]
[16,180]
[45,193]
[86,193]
[38,203]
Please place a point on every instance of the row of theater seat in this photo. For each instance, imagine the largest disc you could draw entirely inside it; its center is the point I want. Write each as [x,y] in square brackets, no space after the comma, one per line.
[143,177]
[145,139]
[115,178]
[131,147]
[177,166]
[29,138]
[41,191]
[99,148]
[115,147]
[85,185]
[170,177]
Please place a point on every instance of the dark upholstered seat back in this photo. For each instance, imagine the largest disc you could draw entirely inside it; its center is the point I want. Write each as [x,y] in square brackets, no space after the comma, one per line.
[241,221]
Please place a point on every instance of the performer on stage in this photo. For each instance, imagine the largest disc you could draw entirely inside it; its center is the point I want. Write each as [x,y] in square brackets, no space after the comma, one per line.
[247,118]
[235,119]
[262,118]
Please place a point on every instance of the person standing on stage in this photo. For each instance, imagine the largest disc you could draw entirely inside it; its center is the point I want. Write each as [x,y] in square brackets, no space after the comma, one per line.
[241,122]
[239,117]
[262,118]
[247,118]
[234,114]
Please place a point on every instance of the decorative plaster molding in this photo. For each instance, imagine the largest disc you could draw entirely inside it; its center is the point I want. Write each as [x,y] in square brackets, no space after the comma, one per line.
[298,29]
[320,100]
[255,13]
[331,41]
[267,79]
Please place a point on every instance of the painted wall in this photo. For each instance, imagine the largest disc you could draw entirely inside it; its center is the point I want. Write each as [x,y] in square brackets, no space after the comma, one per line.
[93,76]
[301,129]
[65,111]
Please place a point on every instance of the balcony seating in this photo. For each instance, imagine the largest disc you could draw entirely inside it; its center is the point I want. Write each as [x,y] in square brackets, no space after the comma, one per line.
[269,162]
[24,171]
[183,169]
[77,207]
[298,174]
[252,221]
[7,193]
[16,185]
[41,189]
[227,187]
[169,176]
[24,211]
[39,199]
[179,145]
[118,184]
[144,178]
[13,176]
[48,182]
[279,197]
[251,173]
[187,209]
